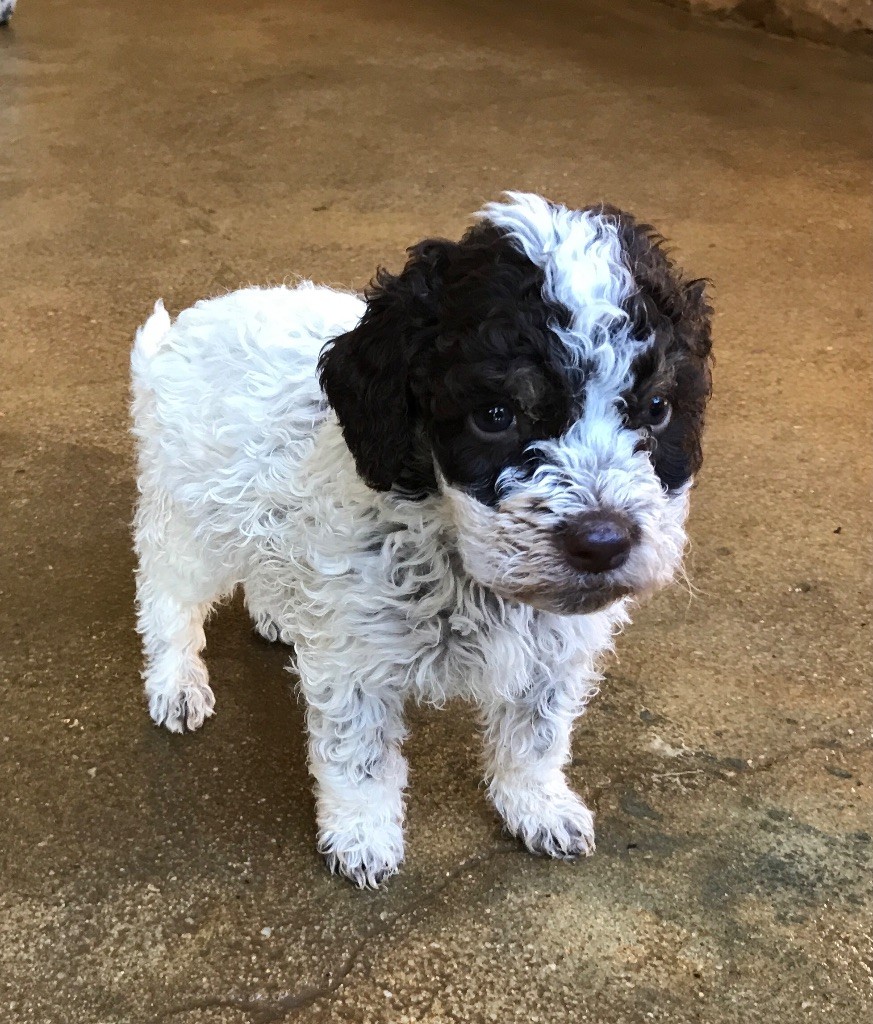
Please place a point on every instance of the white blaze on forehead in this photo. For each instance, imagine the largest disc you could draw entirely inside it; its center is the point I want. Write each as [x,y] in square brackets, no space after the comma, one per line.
[585,272]
[595,462]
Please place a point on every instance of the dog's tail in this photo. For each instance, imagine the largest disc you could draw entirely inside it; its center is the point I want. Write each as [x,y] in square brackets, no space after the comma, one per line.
[152,333]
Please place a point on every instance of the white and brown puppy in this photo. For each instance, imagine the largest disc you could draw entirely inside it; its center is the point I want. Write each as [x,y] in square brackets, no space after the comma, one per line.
[453,487]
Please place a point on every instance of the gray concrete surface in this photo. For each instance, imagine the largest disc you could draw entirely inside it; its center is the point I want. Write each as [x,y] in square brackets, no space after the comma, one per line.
[178,149]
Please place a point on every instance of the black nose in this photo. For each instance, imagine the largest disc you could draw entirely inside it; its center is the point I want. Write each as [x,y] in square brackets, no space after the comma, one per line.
[597,542]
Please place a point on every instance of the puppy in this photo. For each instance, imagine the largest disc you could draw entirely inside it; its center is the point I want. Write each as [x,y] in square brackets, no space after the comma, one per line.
[456,486]
[6,9]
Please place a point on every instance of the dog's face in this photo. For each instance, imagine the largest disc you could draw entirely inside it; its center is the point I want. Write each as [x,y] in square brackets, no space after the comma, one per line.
[548,374]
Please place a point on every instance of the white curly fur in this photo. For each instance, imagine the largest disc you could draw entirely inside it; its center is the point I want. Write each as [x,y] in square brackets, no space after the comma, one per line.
[245,478]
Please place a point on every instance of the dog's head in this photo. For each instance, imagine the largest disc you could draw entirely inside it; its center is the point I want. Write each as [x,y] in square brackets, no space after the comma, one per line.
[549,375]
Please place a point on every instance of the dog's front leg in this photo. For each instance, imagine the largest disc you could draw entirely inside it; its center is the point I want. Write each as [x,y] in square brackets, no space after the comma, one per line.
[527,744]
[360,773]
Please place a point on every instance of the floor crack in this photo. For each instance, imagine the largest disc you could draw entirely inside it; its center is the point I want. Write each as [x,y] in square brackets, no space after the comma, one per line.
[687,767]
[272,1011]
[787,755]
[699,764]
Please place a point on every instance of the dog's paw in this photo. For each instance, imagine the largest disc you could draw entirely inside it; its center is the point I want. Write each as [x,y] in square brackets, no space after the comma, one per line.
[184,709]
[549,821]
[366,857]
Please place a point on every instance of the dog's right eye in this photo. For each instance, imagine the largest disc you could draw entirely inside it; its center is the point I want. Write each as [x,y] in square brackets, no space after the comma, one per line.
[492,422]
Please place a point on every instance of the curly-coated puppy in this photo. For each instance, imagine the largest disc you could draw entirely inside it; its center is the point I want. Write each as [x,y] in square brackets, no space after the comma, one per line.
[456,486]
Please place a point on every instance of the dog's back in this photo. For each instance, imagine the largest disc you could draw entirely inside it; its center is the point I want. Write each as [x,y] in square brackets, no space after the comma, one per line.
[240,342]
[219,392]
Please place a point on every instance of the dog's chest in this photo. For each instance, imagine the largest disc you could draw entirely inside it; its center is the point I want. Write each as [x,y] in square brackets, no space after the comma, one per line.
[376,585]
[458,638]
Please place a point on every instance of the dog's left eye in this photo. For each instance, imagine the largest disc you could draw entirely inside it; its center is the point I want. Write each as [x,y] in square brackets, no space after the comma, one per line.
[493,421]
[657,414]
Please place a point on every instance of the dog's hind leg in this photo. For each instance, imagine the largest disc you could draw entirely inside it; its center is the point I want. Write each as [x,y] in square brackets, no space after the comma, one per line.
[175,592]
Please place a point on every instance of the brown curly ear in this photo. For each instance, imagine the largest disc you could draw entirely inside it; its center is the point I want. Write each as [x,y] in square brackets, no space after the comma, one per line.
[676,311]
[694,319]
[365,372]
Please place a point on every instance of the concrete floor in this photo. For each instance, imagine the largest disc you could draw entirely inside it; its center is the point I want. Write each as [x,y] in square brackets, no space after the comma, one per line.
[181,148]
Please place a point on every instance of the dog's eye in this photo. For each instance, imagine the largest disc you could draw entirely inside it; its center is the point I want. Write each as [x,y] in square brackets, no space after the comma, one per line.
[658,414]
[493,421]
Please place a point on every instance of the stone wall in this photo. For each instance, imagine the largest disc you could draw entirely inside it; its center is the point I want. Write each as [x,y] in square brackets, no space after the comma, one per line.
[847,23]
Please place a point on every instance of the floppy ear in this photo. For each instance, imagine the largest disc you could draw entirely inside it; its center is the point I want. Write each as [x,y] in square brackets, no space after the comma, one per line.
[694,320]
[365,373]
[679,453]
[677,309]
